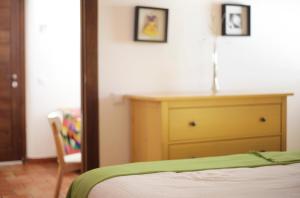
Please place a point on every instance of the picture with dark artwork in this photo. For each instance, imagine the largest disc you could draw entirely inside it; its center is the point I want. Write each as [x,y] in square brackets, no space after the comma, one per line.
[235,20]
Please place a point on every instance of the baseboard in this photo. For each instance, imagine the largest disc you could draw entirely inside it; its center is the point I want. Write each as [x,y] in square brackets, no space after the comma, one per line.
[41,160]
[8,163]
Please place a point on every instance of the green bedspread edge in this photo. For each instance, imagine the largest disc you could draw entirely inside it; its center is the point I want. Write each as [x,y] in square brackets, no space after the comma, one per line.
[84,183]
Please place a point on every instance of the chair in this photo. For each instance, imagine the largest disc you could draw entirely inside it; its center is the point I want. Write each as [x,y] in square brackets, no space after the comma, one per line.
[66,162]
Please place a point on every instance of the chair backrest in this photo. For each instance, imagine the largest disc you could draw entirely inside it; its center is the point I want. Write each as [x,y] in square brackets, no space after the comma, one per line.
[55,121]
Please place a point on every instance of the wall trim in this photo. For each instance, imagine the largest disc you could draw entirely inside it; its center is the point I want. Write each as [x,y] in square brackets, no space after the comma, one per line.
[41,160]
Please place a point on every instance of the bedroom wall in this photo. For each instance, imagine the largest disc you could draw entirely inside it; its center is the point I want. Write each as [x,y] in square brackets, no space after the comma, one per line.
[266,61]
[52,67]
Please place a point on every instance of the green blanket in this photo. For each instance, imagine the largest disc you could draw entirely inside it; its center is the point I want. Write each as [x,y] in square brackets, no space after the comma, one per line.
[85,182]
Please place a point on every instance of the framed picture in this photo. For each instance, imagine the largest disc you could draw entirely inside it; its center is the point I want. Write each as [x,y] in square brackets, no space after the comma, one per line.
[151,24]
[236,20]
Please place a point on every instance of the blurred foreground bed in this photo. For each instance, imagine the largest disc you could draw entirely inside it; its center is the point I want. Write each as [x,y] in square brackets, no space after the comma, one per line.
[257,174]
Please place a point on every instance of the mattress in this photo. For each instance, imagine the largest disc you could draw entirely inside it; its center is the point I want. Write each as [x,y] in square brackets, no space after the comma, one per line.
[268,181]
[255,174]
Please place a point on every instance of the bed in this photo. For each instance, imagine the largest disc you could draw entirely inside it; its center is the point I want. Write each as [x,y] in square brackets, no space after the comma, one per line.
[256,174]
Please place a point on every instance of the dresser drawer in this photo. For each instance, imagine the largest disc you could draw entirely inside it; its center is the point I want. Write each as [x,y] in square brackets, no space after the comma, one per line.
[213,123]
[192,150]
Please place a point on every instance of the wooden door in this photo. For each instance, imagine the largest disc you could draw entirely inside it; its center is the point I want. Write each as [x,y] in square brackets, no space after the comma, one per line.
[12,138]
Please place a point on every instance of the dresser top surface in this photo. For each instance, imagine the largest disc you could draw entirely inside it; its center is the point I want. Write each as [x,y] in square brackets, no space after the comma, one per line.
[204,95]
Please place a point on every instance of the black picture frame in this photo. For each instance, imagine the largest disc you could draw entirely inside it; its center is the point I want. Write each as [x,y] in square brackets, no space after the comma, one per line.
[229,27]
[162,17]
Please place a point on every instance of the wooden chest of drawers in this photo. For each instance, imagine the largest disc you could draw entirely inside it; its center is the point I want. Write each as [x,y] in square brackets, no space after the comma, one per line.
[187,126]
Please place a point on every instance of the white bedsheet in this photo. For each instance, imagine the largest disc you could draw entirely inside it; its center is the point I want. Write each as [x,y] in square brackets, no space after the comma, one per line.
[262,182]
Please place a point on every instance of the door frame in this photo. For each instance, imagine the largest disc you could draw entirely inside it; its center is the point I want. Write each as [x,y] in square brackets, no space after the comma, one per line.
[21,42]
[89,83]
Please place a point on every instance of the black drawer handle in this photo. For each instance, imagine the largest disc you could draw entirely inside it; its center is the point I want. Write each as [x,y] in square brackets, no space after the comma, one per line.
[263,119]
[192,123]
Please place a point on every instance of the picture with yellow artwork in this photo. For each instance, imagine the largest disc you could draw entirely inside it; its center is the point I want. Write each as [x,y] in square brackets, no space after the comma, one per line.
[151,24]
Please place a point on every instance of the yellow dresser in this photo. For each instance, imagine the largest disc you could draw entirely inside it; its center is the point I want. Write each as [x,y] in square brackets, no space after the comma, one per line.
[196,125]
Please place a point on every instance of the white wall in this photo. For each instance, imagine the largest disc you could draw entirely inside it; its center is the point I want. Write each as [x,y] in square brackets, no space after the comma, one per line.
[267,61]
[52,67]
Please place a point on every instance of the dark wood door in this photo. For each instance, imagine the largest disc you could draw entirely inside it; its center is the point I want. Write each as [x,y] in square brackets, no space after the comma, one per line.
[11,80]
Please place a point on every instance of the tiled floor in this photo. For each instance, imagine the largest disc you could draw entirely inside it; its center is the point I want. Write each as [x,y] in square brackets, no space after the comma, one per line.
[33,180]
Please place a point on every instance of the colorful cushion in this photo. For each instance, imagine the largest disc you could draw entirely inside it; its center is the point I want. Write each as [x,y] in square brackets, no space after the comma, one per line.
[71,130]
